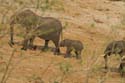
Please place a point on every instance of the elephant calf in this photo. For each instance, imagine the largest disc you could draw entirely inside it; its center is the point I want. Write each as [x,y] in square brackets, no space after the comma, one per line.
[72,45]
[115,47]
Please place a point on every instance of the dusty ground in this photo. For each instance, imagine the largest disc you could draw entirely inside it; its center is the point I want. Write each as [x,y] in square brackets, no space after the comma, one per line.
[94,22]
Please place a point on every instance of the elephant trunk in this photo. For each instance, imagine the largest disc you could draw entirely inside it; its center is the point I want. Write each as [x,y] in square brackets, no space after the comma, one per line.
[106,61]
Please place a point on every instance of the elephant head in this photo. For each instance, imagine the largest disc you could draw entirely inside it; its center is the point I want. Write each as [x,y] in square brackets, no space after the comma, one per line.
[25,18]
[64,42]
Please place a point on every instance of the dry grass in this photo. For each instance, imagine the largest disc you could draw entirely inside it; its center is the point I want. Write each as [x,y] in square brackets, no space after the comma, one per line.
[34,66]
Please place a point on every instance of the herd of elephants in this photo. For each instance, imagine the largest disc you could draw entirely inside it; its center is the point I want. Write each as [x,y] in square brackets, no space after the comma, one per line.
[50,28]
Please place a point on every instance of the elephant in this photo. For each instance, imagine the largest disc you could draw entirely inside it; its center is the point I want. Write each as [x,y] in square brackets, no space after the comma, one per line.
[122,65]
[72,45]
[115,47]
[47,28]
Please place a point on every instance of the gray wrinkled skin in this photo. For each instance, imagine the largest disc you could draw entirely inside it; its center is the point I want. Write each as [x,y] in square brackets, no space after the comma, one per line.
[47,28]
[72,45]
[115,47]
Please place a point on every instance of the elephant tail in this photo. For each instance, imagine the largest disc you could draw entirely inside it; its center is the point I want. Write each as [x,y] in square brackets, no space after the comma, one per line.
[61,34]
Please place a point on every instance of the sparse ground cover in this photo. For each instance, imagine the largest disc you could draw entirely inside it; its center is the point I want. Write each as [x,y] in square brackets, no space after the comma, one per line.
[94,22]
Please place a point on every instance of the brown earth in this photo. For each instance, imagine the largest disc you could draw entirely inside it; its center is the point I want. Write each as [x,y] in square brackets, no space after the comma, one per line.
[94,22]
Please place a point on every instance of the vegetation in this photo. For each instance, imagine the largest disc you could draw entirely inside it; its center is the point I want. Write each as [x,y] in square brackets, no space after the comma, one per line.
[36,66]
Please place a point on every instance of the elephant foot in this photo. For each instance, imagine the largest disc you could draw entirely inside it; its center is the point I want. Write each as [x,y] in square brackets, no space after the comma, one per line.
[11,44]
[67,56]
[78,57]
[32,47]
[23,49]
[121,72]
[45,49]
[57,52]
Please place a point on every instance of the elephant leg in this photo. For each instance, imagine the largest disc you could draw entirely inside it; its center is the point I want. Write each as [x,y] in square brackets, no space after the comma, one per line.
[45,45]
[31,42]
[121,55]
[57,50]
[121,69]
[25,44]
[78,54]
[122,64]
[68,52]
[26,40]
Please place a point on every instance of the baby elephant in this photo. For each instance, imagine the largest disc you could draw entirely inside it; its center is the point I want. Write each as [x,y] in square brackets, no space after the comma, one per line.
[72,45]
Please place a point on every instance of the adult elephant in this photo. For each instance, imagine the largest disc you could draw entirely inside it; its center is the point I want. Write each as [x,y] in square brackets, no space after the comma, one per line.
[47,28]
[115,47]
